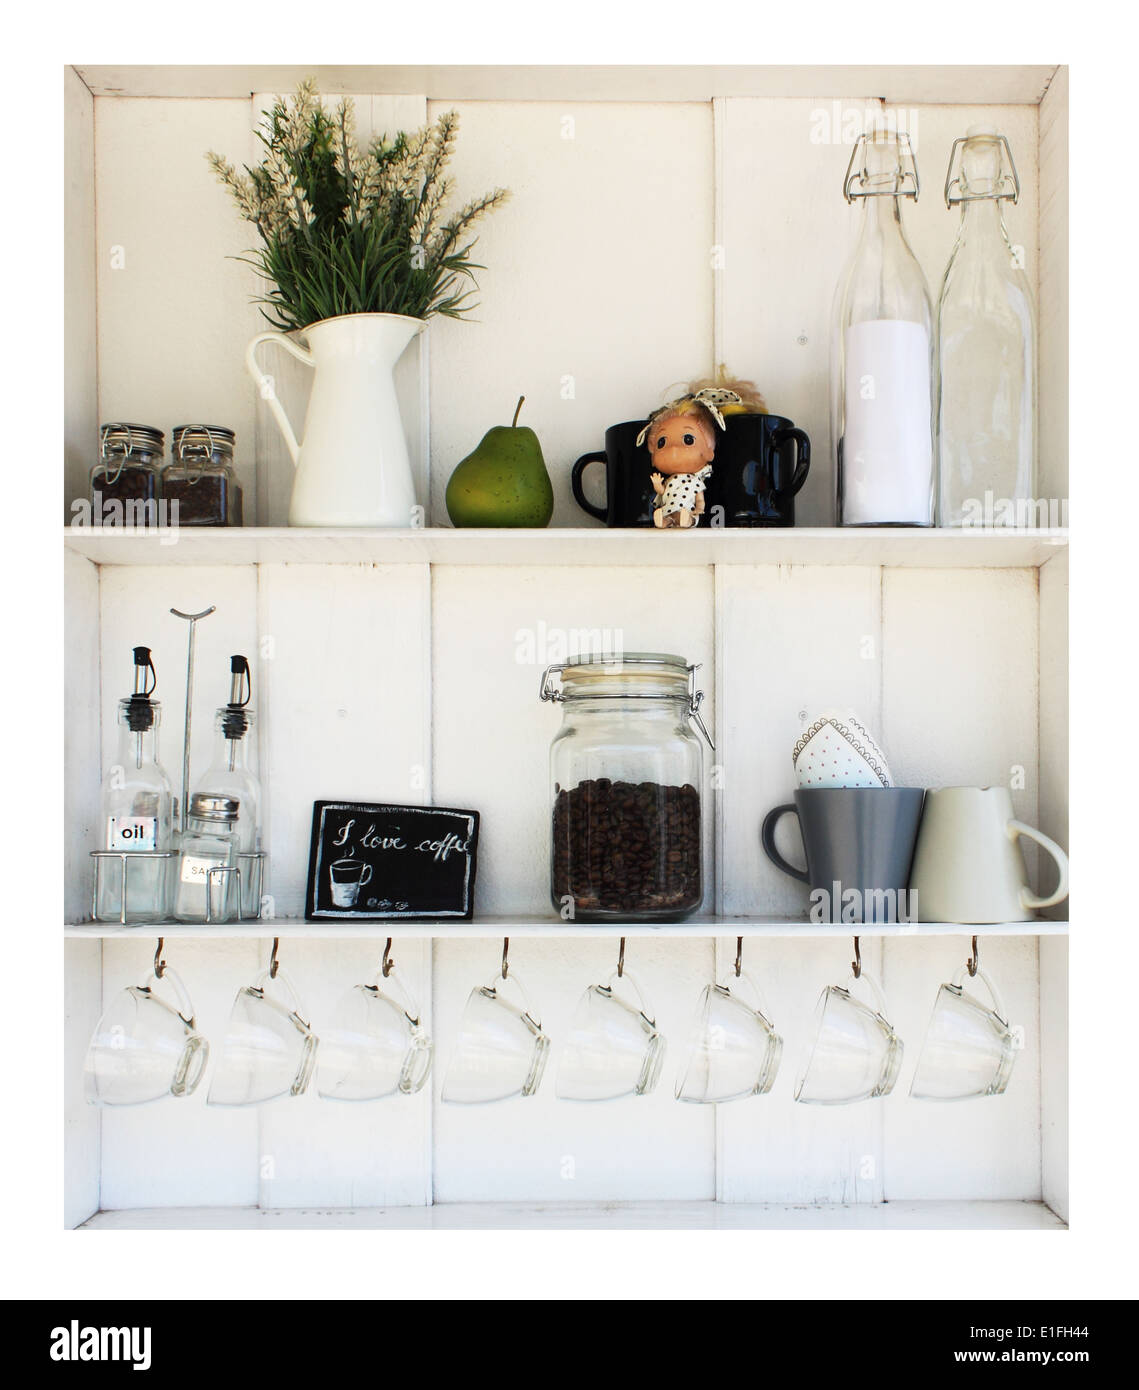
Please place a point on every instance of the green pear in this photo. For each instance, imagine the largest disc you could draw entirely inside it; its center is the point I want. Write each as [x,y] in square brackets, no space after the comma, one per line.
[503,482]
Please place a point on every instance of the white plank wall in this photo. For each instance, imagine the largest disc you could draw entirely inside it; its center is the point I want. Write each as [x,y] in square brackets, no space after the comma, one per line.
[174,303]
[80,347]
[345,700]
[597,294]
[1053,306]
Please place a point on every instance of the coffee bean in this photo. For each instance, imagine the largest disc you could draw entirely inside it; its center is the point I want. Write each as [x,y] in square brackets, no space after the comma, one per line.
[623,848]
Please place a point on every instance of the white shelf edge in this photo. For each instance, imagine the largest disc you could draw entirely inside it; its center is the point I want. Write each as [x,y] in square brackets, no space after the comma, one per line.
[586,545]
[882,1216]
[490,927]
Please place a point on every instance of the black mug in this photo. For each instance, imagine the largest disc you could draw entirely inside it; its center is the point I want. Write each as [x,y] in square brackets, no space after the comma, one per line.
[761,463]
[855,838]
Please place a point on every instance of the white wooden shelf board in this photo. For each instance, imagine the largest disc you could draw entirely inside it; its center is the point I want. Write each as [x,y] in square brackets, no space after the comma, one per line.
[991,84]
[611,1216]
[491,927]
[968,548]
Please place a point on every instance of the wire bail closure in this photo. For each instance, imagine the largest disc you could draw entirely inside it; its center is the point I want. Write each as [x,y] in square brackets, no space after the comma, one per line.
[907,184]
[549,693]
[1007,187]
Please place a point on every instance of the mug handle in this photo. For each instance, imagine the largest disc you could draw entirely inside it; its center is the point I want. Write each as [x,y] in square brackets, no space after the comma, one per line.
[366,876]
[1027,898]
[400,993]
[626,977]
[998,1003]
[185,1007]
[802,457]
[761,1003]
[527,1008]
[575,483]
[767,835]
[875,990]
[265,385]
[298,1009]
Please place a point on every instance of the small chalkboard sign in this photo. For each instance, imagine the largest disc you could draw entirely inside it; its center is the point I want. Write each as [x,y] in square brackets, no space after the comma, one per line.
[373,863]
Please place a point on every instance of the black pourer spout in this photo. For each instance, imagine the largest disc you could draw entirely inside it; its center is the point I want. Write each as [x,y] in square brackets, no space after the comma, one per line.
[140,710]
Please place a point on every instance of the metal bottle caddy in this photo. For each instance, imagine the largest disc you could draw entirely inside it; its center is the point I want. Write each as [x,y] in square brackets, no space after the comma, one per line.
[250,868]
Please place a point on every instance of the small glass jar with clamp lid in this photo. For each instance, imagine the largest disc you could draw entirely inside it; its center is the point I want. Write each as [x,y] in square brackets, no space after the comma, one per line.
[207,888]
[627,781]
[200,477]
[126,481]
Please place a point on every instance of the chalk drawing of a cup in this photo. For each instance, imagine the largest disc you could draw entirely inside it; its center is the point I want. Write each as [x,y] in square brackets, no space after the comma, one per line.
[348,877]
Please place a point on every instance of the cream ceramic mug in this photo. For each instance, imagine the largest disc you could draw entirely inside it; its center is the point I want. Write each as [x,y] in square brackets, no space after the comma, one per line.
[967,862]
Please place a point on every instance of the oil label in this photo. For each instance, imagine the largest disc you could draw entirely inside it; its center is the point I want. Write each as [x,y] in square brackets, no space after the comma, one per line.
[132,832]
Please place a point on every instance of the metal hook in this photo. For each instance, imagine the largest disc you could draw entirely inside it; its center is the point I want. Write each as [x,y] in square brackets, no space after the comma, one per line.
[274,964]
[505,962]
[739,956]
[856,963]
[387,965]
[973,964]
[621,960]
[159,963]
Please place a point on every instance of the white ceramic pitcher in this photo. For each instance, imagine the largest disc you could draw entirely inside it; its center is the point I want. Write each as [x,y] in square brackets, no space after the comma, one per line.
[352,467]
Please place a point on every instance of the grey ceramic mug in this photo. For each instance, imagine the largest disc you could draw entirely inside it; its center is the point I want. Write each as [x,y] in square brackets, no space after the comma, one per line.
[859,843]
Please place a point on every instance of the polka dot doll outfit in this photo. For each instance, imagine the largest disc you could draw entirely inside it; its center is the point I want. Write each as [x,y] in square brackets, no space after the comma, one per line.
[682,490]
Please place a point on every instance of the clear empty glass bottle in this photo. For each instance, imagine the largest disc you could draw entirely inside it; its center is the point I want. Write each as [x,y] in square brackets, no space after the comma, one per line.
[986,333]
[882,350]
[207,880]
[138,812]
[126,481]
[627,779]
[200,477]
[231,774]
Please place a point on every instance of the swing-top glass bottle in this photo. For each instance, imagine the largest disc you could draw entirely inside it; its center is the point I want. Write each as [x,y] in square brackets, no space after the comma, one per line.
[986,326]
[882,350]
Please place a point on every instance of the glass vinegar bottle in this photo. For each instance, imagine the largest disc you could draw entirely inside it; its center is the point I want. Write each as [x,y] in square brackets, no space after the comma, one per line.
[882,350]
[230,774]
[986,330]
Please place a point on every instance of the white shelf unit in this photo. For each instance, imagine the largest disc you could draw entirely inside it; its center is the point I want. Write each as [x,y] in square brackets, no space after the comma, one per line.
[405,666]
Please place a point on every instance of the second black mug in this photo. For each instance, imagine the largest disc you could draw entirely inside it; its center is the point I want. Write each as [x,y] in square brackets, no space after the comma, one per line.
[761,463]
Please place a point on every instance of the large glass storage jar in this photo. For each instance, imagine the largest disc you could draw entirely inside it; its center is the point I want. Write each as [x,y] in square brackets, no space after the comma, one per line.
[627,778]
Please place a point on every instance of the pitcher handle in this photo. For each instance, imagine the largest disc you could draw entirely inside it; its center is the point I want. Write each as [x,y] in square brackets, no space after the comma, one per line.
[1027,897]
[265,384]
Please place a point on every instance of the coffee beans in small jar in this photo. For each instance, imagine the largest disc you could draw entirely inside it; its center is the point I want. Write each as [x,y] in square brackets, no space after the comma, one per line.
[125,482]
[200,477]
[627,773]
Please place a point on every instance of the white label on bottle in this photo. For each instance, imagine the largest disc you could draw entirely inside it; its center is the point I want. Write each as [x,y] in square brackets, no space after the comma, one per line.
[132,832]
[887,447]
[196,870]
